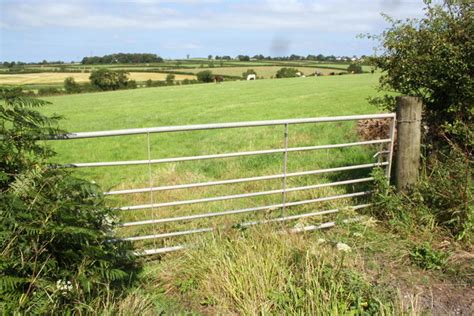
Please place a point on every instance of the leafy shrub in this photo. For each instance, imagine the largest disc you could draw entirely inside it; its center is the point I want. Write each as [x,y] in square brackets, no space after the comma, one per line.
[287,72]
[427,258]
[105,79]
[189,81]
[71,86]
[432,58]
[55,227]
[131,84]
[170,79]
[205,76]
[442,197]
[354,68]
[49,91]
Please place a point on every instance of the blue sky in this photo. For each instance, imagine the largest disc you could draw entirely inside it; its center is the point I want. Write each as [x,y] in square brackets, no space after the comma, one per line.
[33,30]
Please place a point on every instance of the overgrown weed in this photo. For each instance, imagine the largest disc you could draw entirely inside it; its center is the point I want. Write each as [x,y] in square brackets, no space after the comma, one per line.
[263,271]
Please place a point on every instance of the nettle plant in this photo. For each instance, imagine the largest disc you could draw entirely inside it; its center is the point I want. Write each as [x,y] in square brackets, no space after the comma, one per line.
[55,227]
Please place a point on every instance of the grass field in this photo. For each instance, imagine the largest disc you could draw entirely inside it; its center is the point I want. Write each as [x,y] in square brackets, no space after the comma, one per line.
[210,103]
[262,71]
[260,270]
[58,77]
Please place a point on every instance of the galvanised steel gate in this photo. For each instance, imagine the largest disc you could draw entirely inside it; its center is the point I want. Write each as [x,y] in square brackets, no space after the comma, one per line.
[386,163]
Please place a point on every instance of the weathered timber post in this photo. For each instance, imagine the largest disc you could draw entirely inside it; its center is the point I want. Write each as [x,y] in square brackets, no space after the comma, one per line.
[408,141]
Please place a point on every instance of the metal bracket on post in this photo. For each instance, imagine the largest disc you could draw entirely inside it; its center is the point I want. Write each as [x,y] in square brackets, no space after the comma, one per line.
[388,169]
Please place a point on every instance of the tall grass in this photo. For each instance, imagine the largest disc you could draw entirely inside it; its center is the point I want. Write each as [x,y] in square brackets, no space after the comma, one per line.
[262,271]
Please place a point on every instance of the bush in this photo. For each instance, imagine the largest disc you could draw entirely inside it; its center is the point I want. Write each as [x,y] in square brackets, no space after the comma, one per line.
[71,86]
[170,79]
[442,197]
[105,79]
[54,227]
[354,68]
[432,58]
[131,84]
[205,76]
[189,81]
[49,91]
[287,73]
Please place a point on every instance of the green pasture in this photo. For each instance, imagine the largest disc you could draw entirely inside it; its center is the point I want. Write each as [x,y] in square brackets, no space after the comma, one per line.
[212,103]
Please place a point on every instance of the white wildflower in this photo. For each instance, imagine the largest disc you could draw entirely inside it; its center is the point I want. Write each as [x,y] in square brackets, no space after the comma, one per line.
[64,286]
[343,247]
[358,235]
[321,241]
[109,220]
[370,222]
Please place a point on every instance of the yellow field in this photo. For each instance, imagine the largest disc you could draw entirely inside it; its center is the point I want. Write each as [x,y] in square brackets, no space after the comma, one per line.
[58,77]
[262,71]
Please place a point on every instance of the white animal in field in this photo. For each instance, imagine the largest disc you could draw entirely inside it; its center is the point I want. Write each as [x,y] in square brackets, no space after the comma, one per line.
[299,74]
[251,77]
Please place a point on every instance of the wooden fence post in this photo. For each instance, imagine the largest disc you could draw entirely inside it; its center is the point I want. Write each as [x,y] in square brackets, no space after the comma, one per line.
[408,141]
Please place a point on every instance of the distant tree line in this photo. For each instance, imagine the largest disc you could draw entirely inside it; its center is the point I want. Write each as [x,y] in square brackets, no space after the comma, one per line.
[292,57]
[122,58]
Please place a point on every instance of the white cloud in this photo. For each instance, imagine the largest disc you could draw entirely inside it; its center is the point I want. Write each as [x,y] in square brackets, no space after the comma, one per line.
[338,15]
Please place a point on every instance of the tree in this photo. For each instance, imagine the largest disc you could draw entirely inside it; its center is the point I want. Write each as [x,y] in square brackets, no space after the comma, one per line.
[243,58]
[123,59]
[71,86]
[105,79]
[433,58]
[354,68]
[170,79]
[287,73]
[209,57]
[205,76]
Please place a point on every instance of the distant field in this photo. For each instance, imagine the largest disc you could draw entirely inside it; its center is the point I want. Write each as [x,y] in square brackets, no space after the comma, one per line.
[58,77]
[262,71]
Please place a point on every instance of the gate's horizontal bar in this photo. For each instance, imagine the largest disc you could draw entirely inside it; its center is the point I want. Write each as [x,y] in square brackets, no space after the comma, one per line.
[244,195]
[245,210]
[292,217]
[165,235]
[293,230]
[246,224]
[323,225]
[232,181]
[147,252]
[227,155]
[197,127]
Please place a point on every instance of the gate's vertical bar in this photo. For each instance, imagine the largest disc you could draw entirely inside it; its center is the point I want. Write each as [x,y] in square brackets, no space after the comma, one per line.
[285,159]
[390,154]
[150,181]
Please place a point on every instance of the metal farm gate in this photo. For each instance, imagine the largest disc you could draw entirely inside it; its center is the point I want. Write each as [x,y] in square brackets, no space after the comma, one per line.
[385,162]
